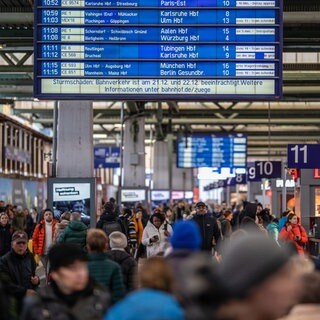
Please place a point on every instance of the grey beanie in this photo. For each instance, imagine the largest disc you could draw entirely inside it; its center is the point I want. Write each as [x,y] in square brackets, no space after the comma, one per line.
[118,240]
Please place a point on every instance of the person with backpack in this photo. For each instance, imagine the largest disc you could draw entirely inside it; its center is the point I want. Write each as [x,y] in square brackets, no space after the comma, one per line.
[109,220]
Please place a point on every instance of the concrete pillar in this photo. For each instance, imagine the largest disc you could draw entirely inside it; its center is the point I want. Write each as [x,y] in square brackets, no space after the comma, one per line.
[75,139]
[134,153]
[160,166]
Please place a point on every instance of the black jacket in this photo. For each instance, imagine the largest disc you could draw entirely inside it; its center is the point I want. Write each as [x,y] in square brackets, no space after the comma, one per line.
[128,267]
[19,269]
[5,239]
[50,303]
[209,230]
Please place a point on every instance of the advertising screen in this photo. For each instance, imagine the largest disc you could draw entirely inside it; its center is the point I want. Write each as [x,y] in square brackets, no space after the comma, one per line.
[73,195]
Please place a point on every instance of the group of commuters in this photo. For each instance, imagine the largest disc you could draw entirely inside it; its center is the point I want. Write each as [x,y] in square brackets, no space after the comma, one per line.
[176,263]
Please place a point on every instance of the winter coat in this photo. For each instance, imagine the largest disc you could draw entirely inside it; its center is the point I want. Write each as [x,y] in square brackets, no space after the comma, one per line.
[39,237]
[226,228]
[282,222]
[128,267]
[50,303]
[5,239]
[146,304]
[209,229]
[107,273]
[139,229]
[296,231]
[111,217]
[304,312]
[19,222]
[18,269]
[154,248]
[75,232]
[59,227]
[273,231]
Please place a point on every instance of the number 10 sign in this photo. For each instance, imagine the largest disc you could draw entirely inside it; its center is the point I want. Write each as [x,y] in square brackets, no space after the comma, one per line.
[303,156]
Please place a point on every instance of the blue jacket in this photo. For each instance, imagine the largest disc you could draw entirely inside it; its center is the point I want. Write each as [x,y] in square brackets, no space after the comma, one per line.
[146,304]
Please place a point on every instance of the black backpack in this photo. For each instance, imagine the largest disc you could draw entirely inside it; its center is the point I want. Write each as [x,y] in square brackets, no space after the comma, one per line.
[111,226]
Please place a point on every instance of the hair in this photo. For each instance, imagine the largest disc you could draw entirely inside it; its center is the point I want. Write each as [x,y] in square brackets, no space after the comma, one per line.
[75,216]
[227,212]
[159,215]
[290,216]
[97,240]
[65,216]
[156,274]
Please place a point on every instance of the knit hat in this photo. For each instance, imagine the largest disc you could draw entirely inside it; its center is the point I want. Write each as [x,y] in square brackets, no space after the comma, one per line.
[118,240]
[65,254]
[186,235]
[249,261]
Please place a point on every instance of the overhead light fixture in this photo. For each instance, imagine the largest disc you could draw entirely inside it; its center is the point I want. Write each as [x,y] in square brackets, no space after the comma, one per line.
[2,45]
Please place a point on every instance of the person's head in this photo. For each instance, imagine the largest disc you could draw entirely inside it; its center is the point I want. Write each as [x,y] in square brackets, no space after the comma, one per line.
[118,240]
[112,200]
[168,213]
[250,210]
[127,212]
[108,208]
[259,207]
[138,213]
[2,204]
[68,263]
[97,240]
[26,211]
[157,219]
[228,214]
[181,204]
[253,268]
[292,218]
[186,236]
[75,216]
[4,219]
[310,284]
[201,208]
[65,216]
[47,215]
[19,242]
[156,274]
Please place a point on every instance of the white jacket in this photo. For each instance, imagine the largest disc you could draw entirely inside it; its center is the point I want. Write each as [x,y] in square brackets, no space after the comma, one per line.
[153,248]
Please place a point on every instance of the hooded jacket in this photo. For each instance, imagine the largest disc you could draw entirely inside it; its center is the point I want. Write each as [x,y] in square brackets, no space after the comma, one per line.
[296,231]
[75,232]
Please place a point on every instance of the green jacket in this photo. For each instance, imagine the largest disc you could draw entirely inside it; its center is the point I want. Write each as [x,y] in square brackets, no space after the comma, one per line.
[75,232]
[107,273]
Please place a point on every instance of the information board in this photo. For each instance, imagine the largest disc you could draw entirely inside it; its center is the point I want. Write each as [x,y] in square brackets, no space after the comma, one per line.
[158,49]
[303,156]
[210,150]
[106,157]
[264,170]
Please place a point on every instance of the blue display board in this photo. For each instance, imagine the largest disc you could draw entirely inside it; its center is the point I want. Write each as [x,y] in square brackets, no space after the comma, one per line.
[158,49]
[303,156]
[264,170]
[210,150]
[106,157]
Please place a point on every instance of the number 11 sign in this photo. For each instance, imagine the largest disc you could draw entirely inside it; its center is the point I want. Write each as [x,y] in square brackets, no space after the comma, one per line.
[303,156]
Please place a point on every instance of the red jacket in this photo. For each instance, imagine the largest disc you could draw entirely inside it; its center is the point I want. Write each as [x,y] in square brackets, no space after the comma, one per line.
[296,231]
[39,237]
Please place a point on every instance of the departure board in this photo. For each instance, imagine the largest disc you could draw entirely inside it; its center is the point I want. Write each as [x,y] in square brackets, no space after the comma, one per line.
[158,49]
[210,150]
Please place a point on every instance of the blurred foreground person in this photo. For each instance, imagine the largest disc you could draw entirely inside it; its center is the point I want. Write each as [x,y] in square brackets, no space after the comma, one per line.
[101,268]
[72,295]
[154,301]
[308,307]
[258,279]
[18,268]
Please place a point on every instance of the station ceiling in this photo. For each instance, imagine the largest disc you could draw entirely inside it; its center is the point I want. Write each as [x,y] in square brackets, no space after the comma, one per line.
[270,126]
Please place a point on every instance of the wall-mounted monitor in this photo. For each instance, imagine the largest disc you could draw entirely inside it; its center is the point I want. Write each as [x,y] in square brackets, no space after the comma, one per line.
[133,195]
[212,150]
[160,195]
[74,195]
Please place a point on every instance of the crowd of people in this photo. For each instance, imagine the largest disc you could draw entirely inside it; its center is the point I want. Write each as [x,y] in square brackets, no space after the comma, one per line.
[188,262]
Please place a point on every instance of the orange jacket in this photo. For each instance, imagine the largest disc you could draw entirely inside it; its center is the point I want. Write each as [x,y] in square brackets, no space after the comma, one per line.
[296,231]
[139,229]
[39,237]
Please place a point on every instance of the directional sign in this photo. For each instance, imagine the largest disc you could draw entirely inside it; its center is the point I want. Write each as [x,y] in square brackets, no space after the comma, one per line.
[264,170]
[303,156]
[158,50]
[106,157]
[210,150]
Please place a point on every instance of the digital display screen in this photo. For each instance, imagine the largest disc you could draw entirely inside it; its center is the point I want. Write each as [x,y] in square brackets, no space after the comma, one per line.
[213,151]
[175,49]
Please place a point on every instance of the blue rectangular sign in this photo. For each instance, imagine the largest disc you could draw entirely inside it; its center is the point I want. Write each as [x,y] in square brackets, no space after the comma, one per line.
[210,150]
[158,50]
[303,156]
[264,170]
[106,157]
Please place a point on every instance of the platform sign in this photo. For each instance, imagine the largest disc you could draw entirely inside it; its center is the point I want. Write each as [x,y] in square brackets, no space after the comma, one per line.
[264,170]
[303,156]
[158,49]
[211,150]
